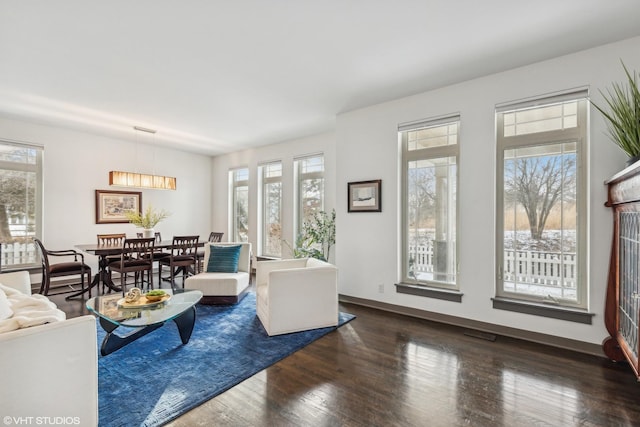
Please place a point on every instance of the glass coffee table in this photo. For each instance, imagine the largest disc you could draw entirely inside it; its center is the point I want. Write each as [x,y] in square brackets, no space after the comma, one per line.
[180,308]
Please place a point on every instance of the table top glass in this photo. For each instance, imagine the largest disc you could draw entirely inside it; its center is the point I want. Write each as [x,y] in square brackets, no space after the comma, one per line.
[106,307]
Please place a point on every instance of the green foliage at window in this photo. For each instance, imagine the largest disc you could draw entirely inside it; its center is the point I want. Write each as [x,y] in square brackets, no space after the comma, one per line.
[317,237]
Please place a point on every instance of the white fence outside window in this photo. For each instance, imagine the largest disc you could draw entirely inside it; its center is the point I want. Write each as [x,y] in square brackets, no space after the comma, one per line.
[14,254]
[533,269]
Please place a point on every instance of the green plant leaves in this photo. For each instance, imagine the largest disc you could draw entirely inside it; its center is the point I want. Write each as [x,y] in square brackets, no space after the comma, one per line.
[623,115]
[317,236]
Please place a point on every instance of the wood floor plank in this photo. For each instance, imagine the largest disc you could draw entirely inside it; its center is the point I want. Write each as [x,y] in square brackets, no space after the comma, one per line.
[385,369]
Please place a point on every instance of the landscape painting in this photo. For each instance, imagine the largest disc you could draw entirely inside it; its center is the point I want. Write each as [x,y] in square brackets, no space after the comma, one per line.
[112,205]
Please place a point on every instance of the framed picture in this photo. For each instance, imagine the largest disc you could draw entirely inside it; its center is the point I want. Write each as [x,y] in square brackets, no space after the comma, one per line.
[365,196]
[111,205]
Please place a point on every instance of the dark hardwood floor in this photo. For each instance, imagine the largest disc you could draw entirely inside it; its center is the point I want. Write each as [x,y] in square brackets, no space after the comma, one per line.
[385,369]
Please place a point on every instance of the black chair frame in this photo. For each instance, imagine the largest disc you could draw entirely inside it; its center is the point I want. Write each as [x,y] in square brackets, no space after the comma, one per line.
[77,267]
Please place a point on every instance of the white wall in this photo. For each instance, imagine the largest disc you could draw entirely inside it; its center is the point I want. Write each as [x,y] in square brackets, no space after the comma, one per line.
[77,163]
[367,148]
[285,152]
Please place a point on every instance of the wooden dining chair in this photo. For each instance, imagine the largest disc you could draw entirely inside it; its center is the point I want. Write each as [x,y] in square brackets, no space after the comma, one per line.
[113,239]
[214,236]
[77,267]
[183,257]
[137,258]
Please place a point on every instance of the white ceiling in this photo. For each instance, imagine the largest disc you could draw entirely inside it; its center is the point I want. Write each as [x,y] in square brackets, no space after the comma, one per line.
[214,76]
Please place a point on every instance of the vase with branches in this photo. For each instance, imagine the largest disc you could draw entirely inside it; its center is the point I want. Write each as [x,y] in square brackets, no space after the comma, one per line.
[148,220]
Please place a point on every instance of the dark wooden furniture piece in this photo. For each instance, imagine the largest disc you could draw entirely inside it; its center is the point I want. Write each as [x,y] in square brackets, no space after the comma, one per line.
[136,257]
[113,239]
[104,251]
[622,309]
[158,252]
[183,257]
[77,267]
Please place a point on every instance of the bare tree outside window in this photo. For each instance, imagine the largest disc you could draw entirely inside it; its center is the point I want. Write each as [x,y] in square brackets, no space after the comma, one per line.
[542,205]
[538,184]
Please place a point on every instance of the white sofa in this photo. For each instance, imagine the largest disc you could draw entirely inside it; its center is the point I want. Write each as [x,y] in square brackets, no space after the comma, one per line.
[223,288]
[49,370]
[296,294]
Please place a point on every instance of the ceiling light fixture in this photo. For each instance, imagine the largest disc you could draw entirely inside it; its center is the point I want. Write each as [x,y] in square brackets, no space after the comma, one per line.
[141,180]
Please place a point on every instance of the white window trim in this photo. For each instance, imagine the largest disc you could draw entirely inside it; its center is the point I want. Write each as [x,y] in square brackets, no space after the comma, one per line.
[38,169]
[419,154]
[298,178]
[262,199]
[233,184]
[578,134]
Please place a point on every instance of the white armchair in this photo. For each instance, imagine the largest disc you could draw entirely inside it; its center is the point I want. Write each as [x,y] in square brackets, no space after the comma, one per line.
[223,287]
[49,370]
[296,294]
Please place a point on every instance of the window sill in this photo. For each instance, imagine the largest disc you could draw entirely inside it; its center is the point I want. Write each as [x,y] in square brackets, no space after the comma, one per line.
[424,291]
[544,310]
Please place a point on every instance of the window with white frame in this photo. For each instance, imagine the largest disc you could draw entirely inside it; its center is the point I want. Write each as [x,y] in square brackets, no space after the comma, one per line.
[309,178]
[429,207]
[20,203]
[542,200]
[271,196]
[239,204]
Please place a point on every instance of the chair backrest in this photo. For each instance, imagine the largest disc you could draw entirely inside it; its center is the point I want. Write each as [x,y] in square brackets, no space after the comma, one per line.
[43,254]
[139,248]
[156,234]
[184,245]
[244,261]
[116,239]
[215,236]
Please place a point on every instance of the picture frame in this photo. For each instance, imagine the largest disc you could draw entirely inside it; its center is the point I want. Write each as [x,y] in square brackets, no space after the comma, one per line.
[111,205]
[364,196]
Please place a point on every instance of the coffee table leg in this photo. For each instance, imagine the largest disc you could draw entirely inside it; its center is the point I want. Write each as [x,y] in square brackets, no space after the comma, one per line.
[113,342]
[185,324]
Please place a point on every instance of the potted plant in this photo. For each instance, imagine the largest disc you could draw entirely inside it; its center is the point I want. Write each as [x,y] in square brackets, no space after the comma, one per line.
[317,237]
[623,115]
[148,220]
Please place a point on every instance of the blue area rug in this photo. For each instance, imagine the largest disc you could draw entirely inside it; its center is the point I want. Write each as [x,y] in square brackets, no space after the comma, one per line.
[156,379]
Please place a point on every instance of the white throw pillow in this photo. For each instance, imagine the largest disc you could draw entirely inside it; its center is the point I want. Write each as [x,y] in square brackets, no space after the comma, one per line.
[5,307]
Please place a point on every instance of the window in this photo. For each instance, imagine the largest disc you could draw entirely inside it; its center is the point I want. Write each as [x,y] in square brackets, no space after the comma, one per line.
[20,203]
[430,158]
[541,212]
[271,176]
[239,204]
[310,188]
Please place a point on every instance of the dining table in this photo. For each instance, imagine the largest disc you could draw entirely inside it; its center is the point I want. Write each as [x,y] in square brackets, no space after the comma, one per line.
[103,252]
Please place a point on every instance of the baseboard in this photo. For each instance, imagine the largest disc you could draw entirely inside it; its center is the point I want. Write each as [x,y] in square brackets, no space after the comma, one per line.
[565,343]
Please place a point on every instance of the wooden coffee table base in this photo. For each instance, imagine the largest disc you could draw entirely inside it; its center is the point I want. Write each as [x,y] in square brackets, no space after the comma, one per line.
[113,342]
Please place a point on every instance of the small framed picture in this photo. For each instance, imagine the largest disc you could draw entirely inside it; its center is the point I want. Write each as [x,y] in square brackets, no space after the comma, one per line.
[111,205]
[365,196]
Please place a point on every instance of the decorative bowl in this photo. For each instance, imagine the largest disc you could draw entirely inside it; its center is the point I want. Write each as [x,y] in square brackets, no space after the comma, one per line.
[154,298]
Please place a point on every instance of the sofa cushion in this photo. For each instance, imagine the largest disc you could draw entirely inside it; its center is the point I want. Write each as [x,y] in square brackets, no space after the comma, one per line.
[223,259]
[5,307]
[217,284]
